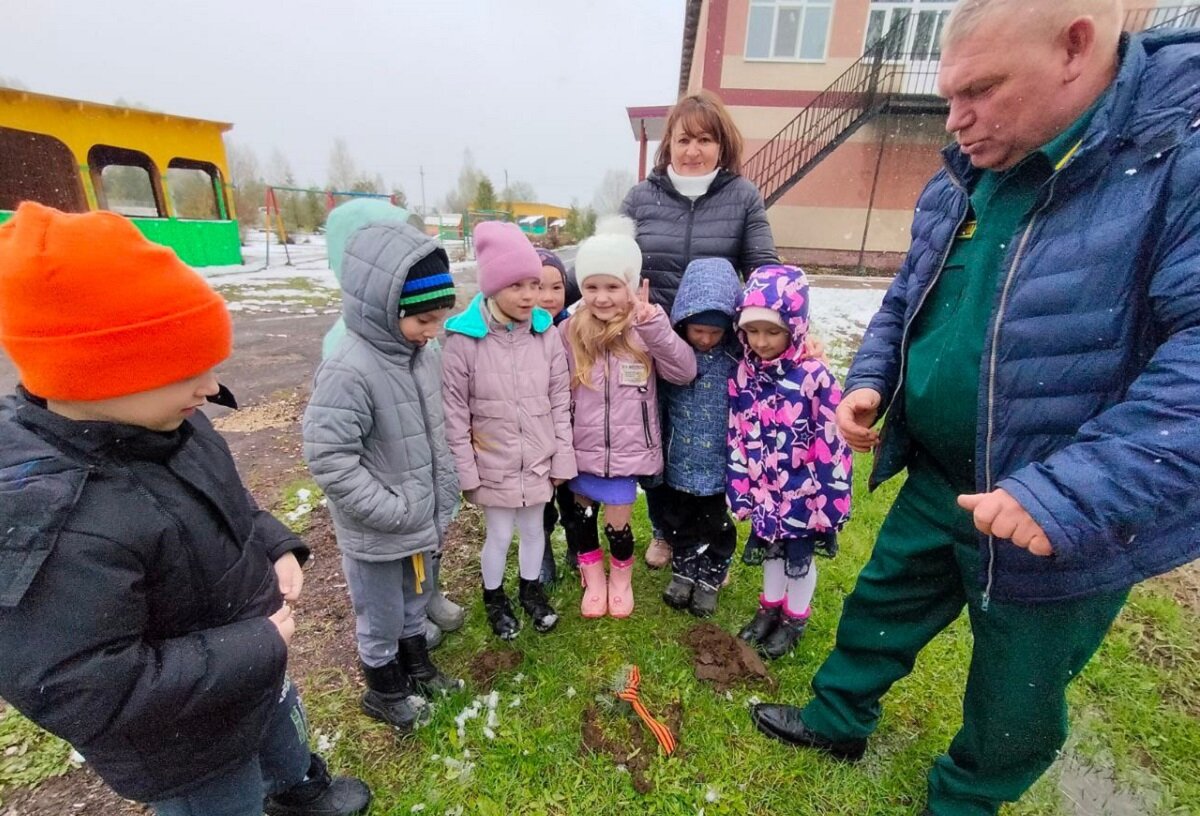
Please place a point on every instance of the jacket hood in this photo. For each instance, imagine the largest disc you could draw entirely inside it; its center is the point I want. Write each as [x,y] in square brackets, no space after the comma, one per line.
[377,260]
[346,219]
[1152,102]
[782,289]
[708,285]
[475,322]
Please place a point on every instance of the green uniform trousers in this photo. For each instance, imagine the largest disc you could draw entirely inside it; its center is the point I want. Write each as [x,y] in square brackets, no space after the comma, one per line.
[924,568]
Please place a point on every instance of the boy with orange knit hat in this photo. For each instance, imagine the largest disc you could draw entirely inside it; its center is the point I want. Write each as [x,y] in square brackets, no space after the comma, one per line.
[143,594]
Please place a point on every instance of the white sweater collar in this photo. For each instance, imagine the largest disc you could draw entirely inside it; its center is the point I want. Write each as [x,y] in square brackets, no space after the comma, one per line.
[691,186]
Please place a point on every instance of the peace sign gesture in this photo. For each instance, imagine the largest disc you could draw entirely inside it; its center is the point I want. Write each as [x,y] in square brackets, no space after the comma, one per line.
[644,310]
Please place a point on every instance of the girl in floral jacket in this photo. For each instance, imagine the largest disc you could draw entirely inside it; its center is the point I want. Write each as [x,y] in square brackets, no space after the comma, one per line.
[789,468]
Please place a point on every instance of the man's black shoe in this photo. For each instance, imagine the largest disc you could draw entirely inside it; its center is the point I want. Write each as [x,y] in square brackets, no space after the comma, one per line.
[783,722]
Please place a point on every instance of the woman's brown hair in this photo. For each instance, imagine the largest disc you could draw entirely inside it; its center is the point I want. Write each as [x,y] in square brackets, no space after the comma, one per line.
[703,112]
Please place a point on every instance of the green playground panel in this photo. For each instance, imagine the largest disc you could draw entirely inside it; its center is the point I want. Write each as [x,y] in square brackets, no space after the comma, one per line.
[197,243]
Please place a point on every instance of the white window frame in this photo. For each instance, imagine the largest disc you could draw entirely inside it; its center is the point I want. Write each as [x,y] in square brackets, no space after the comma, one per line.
[803,6]
[914,7]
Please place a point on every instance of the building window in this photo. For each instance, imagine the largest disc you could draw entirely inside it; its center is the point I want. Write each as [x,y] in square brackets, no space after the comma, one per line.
[788,29]
[922,21]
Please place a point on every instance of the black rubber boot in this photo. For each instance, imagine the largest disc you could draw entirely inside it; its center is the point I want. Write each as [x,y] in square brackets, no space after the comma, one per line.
[533,601]
[784,638]
[764,623]
[704,599]
[678,594]
[500,613]
[391,698]
[684,563]
[710,575]
[321,795]
[427,678]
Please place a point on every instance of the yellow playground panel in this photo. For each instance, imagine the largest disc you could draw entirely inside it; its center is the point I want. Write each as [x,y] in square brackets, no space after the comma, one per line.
[168,174]
[535,217]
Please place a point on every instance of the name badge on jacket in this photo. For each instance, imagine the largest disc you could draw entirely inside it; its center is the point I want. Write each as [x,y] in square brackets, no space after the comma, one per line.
[633,374]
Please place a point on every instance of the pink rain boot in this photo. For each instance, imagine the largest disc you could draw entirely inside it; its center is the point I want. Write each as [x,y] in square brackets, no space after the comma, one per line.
[595,585]
[620,588]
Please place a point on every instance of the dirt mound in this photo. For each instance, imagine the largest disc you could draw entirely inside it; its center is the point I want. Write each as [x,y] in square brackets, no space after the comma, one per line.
[628,741]
[724,660]
[280,413]
[490,664]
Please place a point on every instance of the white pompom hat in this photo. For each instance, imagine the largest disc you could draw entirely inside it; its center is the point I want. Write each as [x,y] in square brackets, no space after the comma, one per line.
[611,251]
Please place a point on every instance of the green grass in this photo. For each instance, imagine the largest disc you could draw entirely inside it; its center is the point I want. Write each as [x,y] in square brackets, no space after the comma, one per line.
[1135,713]
[300,499]
[28,755]
[1135,706]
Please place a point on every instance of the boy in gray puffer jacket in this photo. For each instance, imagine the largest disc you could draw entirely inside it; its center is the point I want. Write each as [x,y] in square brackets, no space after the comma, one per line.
[695,518]
[374,439]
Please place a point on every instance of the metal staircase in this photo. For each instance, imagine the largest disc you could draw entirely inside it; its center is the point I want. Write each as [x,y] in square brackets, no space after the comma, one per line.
[884,79]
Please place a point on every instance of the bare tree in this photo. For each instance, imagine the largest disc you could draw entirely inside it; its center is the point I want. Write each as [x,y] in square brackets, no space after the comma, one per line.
[248,185]
[518,191]
[612,191]
[458,199]
[343,172]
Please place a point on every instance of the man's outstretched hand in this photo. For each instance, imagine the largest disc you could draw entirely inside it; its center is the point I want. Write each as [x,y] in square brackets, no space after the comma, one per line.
[999,514]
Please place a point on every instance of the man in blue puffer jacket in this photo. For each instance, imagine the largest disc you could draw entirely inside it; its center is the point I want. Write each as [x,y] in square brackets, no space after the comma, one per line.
[1038,357]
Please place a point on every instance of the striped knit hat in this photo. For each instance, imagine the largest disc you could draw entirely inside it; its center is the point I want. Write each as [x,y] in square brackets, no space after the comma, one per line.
[428,285]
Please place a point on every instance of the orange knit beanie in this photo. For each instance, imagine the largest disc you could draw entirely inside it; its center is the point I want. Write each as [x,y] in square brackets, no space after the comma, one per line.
[90,309]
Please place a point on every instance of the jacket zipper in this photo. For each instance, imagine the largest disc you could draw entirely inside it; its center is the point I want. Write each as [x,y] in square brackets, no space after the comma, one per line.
[512,359]
[991,403]
[607,435]
[687,242]
[646,424]
[920,304]
[433,460]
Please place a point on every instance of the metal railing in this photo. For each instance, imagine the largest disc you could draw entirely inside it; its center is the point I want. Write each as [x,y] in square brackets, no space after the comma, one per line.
[886,77]
[861,92]
[1182,16]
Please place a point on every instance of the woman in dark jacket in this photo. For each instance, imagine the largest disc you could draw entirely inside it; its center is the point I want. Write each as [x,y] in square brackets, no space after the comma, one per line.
[695,205]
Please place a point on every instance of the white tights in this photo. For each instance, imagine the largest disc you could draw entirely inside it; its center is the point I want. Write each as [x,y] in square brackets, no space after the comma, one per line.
[798,591]
[500,523]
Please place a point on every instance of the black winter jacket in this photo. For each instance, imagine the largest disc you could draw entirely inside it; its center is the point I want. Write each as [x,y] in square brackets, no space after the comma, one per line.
[729,221]
[136,581]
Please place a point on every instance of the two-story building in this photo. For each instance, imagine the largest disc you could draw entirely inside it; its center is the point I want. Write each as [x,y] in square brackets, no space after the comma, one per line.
[836,102]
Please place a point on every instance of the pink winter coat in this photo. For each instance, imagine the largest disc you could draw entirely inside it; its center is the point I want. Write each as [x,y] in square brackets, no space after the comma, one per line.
[506,394]
[616,427]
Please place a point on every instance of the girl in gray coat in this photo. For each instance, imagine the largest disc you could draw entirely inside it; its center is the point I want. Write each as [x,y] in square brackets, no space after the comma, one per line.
[375,441]
[508,416]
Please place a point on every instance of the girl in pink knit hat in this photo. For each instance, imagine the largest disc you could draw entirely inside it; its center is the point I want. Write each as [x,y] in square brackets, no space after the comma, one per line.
[508,416]
[619,344]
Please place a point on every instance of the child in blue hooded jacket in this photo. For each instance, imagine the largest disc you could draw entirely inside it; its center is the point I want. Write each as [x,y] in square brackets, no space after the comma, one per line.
[696,521]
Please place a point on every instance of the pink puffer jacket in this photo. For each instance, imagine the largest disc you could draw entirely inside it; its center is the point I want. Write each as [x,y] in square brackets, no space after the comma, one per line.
[506,394]
[615,422]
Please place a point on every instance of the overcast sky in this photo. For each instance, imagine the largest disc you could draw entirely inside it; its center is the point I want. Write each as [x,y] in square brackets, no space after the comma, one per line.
[537,88]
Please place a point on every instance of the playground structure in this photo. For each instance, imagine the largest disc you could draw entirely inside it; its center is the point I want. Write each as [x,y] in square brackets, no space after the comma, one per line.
[273,216]
[168,174]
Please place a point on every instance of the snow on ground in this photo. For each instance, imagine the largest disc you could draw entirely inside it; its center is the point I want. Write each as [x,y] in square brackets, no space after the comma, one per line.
[843,311]
[841,308]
